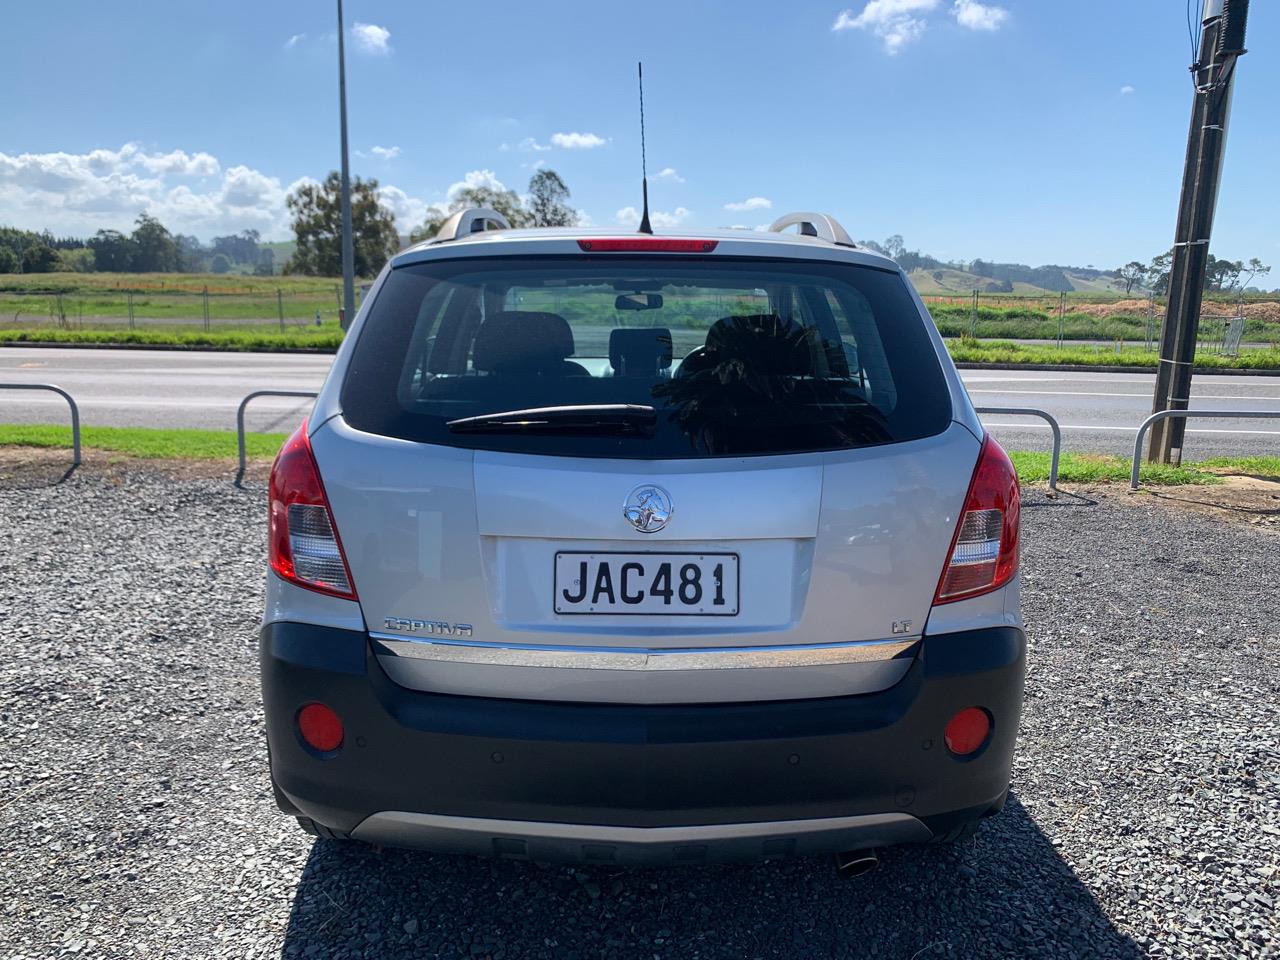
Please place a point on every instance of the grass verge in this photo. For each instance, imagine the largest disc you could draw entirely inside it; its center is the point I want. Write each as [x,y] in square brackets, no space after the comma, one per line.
[310,338]
[145,443]
[1033,467]
[1000,351]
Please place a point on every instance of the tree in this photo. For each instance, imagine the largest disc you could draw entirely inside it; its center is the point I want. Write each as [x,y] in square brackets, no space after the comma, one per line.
[40,259]
[1254,268]
[547,206]
[76,260]
[317,225]
[505,202]
[220,263]
[1131,274]
[239,247]
[1220,275]
[1158,273]
[894,246]
[193,256]
[112,251]
[9,260]
[156,250]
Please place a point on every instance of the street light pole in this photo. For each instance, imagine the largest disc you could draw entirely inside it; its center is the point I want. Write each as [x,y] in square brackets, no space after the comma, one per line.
[1221,44]
[348,249]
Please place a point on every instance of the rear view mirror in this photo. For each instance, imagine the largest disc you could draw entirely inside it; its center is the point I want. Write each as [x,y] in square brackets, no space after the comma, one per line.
[638,301]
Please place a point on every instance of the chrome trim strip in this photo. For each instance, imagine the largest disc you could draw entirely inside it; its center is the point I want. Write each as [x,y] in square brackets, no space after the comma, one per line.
[642,658]
[398,828]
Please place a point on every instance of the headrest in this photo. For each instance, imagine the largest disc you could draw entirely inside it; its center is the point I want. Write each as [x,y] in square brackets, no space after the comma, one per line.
[639,351]
[774,345]
[521,340]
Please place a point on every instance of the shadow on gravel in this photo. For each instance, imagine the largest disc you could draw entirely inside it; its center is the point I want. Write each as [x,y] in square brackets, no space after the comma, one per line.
[1005,894]
[1065,498]
[34,476]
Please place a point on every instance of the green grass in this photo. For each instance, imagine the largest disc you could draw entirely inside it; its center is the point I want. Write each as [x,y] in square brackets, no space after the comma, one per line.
[1033,467]
[145,443]
[63,299]
[327,338]
[1267,467]
[1026,323]
[999,351]
[88,284]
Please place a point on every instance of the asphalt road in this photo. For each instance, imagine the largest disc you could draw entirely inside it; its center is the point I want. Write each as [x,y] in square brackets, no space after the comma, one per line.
[1098,412]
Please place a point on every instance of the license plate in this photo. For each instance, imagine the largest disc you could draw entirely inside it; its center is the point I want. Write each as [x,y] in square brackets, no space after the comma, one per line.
[686,584]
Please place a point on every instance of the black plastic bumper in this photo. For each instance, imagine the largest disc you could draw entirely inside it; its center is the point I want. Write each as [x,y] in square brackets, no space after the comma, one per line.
[629,766]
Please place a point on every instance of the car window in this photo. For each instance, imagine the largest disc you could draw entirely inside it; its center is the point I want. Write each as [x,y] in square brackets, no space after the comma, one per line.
[736,356]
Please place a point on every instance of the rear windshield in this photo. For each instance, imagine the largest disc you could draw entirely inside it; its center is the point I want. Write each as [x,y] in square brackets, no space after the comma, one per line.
[666,357]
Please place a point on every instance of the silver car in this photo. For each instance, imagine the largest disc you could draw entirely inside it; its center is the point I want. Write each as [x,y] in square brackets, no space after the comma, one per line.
[628,548]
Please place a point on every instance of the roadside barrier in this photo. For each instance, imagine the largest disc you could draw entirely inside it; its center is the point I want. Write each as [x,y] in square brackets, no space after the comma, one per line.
[1053,425]
[240,418]
[75,411]
[1209,414]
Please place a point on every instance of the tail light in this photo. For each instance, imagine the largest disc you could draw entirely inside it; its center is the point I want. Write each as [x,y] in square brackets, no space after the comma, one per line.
[984,551]
[304,543]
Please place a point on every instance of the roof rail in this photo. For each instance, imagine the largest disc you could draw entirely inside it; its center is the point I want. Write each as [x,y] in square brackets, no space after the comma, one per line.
[469,221]
[818,225]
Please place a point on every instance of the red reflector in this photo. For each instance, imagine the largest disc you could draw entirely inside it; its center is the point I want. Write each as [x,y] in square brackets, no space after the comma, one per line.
[967,731]
[646,245]
[320,727]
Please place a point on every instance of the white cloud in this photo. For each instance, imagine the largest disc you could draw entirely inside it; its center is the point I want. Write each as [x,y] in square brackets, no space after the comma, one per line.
[372,38]
[385,153]
[751,203]
[409,211]
[893,21]
[474,179]
[577,141]
[669,173]
[293,41]
[529,144]
[978,16]
[78,194]
[1126,90]
[630,217]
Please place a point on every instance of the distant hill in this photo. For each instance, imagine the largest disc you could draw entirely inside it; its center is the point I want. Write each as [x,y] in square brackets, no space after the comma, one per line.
[948,280]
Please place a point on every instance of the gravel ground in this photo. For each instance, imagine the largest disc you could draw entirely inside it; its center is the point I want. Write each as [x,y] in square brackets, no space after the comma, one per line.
[138,821]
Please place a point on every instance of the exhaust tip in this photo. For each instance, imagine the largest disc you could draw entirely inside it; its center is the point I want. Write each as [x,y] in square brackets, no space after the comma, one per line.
[856,863]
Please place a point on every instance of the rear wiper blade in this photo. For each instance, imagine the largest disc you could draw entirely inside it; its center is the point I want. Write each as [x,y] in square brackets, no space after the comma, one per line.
[632,418]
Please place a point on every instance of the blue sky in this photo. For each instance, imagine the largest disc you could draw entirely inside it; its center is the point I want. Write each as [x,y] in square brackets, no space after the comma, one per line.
[1016,130]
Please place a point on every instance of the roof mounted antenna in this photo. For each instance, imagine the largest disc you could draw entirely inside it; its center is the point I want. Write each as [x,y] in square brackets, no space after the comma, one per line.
[644,170]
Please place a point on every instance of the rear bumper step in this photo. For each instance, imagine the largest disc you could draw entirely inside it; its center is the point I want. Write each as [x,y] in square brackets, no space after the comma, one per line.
[554,780]
[529,840]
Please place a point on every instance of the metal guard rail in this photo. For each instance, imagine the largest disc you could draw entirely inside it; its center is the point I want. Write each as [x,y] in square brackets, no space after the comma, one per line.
[305,394]
[75,411]
[1209,414]
[1053,425]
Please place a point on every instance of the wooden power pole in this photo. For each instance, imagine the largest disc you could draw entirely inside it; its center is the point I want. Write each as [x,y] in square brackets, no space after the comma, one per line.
[1221,45]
